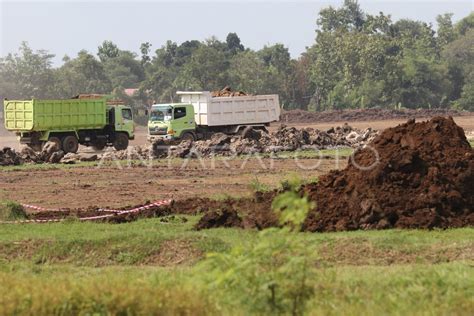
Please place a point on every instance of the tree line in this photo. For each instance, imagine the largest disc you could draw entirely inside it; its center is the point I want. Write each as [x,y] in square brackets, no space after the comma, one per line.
[358,60]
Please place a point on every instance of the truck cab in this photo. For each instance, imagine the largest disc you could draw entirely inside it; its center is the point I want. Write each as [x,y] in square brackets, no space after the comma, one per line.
[122,119]
[174,121]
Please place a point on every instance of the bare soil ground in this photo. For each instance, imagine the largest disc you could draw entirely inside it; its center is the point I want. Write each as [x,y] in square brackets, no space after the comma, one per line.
[111,186]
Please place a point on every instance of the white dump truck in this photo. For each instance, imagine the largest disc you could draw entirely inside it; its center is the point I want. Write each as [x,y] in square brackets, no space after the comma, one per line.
[199,115]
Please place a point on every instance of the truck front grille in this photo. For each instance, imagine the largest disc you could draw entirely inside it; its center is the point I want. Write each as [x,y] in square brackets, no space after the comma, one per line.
[157,131]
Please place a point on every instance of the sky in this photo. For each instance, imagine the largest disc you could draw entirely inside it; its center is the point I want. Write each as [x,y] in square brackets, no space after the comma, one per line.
[66,27]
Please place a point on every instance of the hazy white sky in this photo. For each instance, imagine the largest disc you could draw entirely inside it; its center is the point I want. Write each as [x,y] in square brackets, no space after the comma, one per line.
[65,27]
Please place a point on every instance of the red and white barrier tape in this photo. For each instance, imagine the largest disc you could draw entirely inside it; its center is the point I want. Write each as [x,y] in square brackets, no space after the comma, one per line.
[38,208]
[91,218]
[138,209]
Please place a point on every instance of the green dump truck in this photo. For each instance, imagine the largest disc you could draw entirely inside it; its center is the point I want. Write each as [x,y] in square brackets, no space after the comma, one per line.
[199,115]
[70,122]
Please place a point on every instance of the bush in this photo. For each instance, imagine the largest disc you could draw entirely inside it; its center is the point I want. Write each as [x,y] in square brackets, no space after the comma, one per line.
[257,186]
[10,211]
[272,275]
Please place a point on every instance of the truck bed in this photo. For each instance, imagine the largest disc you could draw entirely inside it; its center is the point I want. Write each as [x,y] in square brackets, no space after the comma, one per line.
[43,115]
[238,110]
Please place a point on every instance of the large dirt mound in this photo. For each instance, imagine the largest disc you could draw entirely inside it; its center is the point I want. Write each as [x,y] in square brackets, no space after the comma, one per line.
[424,178]
[300,116]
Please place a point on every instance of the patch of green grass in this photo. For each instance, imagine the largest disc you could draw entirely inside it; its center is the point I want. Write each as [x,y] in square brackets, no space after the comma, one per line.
[47,166]
[62,290]
[10,211]
[369,290]
[99,268]
[257,186]
[96,244]
[471,142]
[341,153]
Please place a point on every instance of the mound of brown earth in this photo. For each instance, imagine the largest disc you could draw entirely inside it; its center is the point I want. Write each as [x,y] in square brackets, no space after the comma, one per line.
[228,92]
[219,218]
[9,157]
[300,116]
[423,178]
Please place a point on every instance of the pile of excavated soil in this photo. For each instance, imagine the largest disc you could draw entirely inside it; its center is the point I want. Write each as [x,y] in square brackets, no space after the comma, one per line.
[300,116]
[219,218]
[249,142]
[258,141]
[228,92]
[424,178]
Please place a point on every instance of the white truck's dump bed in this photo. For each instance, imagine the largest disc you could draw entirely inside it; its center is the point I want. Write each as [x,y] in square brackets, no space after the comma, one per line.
[218,111]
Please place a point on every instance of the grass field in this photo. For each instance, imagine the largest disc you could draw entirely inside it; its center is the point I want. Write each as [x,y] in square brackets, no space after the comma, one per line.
[156,267]
[162,265]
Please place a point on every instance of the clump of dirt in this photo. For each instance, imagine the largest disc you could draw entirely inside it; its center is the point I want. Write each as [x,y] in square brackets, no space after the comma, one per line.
[220,218]
[9,157]
[423,177]
[228,92]
[351,115]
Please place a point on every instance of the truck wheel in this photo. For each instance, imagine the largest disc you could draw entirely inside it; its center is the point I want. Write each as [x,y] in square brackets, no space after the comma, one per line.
[70,144]
[121,141]
[99,144]
[188,136]
[56,140]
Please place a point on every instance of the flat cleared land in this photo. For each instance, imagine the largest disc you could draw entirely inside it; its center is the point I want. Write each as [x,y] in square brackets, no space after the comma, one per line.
[115,185]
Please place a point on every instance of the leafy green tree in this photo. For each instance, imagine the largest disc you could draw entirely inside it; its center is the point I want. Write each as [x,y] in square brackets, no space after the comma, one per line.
[459,55]
[446,33]
[206,69]
[107,50]
[466,24]
[185,51]
[349,17]
[467,95]
[423,82]
[233,43]
[247,72]
[124,70]
[83,74]
[145,49]
[27,74]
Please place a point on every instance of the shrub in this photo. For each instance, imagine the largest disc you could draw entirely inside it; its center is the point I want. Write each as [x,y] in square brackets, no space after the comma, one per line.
[11,211]
[272,275]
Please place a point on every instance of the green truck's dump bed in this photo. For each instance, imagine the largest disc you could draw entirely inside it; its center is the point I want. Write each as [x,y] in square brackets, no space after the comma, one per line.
[44,115]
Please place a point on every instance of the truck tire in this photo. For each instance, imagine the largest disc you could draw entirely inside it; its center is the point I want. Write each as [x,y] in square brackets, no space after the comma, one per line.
[57,141]
[121,141]
[70,144]
[99,144]
[188,136]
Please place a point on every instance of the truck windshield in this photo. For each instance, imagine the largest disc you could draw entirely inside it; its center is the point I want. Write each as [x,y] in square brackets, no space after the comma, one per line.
[162,115]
